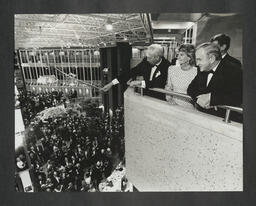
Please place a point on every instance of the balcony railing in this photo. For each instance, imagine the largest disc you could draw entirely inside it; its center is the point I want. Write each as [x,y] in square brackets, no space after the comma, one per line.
[226,107]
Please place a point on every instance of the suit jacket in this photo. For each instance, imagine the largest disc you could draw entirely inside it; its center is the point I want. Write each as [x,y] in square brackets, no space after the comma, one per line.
[39,149]
[231,60]
[144,69]
[56,182]
[225,86]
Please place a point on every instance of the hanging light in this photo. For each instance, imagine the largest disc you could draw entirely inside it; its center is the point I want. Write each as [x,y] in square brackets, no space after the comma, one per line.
[109,25]
[96,53]
[87,91]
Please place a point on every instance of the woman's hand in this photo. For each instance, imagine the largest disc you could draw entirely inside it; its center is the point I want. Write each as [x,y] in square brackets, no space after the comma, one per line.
[168,87]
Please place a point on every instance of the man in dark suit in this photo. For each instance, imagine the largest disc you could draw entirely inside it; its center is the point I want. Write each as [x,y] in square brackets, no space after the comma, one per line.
[153,69]
[217,83]
[223,41]
[40,151]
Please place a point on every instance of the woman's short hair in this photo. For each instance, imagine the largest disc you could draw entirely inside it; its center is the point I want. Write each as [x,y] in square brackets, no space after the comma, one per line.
[189,50]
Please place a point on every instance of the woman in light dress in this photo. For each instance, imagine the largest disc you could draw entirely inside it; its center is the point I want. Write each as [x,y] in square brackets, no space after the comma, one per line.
[181,74]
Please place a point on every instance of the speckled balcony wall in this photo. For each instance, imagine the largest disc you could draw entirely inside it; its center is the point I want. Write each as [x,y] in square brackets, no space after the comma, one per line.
[169,148]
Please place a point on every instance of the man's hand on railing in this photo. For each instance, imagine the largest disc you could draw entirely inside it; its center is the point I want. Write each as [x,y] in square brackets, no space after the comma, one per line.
[107,87]
[204,100]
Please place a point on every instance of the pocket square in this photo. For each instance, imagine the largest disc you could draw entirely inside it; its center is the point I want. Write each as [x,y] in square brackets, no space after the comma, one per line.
[157,74]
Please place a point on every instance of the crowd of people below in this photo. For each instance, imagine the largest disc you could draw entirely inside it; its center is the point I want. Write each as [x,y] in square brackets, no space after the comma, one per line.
[73,151]
[31,103]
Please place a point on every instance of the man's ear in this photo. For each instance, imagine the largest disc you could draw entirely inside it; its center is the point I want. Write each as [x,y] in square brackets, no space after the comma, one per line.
[223,47]
[212,58]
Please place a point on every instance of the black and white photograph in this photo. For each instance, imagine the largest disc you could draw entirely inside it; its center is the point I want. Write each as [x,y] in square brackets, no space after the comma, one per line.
[128,102]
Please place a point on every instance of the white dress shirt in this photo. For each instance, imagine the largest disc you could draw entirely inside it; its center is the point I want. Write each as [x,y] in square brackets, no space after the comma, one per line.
[153,69]
[143,83]
[211,74]
[209,77]
[223,55]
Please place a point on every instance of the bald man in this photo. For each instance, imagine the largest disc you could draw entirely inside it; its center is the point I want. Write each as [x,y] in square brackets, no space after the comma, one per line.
[217,83]
[153,69]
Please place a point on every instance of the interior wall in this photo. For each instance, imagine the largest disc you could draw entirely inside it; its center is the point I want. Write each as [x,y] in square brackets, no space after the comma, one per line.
[230,25]
[172,148]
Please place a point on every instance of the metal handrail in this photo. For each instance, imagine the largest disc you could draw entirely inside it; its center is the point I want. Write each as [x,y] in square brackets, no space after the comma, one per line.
[226,107]
[232,108]
[177,94]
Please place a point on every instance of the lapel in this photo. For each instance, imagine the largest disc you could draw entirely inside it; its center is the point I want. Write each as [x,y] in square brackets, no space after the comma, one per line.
[158,69]
[216,76]
[227,57]
[147,72]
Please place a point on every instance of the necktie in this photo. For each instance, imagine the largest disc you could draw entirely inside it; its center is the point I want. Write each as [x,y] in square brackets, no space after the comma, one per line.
[210,72]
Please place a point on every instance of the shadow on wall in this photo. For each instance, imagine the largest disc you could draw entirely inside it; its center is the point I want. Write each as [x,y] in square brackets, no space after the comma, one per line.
[230,25]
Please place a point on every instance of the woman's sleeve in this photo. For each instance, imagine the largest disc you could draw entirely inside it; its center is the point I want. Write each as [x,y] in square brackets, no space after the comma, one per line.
[169,86]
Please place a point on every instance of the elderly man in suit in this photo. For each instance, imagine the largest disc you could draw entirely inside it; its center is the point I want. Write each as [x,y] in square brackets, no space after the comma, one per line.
[153,69]
[217,83]
[223,41]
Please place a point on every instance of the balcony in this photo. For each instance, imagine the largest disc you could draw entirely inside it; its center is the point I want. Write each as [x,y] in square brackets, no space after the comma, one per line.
[170,148]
